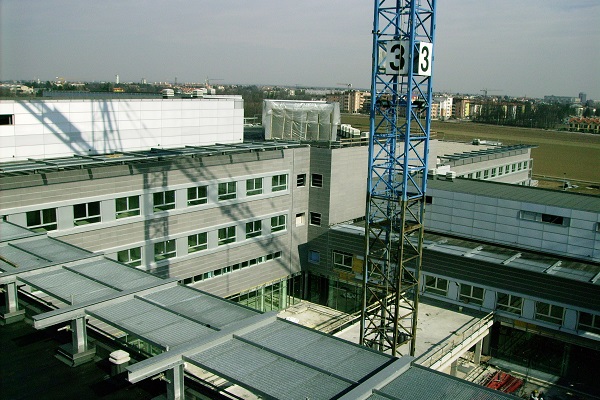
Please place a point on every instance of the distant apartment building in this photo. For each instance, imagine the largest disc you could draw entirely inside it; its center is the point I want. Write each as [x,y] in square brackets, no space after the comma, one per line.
[561,99]
[351,101]
[441,107]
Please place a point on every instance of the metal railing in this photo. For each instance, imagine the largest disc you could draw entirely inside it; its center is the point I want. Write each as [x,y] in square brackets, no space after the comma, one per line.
[428,359]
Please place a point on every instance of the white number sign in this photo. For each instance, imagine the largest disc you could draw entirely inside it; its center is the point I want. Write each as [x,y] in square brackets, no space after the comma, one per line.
[397,58]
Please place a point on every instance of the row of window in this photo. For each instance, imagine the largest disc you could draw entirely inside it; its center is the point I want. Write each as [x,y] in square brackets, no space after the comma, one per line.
[89,213]
[513,304]
[497,171]
[230,268]
[199,241]
[547,218]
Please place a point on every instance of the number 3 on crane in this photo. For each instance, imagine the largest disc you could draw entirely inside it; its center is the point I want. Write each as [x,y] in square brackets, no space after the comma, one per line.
[397,57]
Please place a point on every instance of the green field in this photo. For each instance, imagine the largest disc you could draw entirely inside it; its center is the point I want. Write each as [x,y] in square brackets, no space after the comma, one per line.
[559,154]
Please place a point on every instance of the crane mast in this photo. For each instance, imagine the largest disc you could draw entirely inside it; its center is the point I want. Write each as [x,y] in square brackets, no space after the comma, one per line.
[400,116]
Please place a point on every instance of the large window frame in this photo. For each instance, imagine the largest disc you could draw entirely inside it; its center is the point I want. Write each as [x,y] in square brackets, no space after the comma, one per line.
[226,235]
[509,303]
[131,257]
[279,183]
[254,186]
[197,242]
[342,260]
[197,195]
[589,322]
[301,180]
[163,201]
[165,250]
[86,213]
[315,218]
[42,220]
[471,294]
[549,313]
[278,223]
[436,285]
[227,191]
[127,206]
[253,229]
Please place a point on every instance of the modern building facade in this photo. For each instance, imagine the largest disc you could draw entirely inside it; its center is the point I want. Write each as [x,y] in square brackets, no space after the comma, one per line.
[238,218]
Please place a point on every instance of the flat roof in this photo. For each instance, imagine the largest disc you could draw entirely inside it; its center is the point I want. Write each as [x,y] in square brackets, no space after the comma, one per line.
[529,194]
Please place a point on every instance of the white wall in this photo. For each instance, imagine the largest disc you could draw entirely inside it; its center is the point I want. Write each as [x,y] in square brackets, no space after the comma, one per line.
[59,128]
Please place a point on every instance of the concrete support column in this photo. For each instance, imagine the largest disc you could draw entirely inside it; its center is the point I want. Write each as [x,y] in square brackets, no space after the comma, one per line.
[79,335]
[477,354]
[12,312]
[565,361]
[78,351]
[175,383]
[283,299]
[454,367]
[261,298]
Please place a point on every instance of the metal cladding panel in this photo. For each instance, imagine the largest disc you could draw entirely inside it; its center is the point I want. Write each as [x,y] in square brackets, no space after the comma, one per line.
[116,274]
[262,371]
[421,383]
[69,286]
[324,352]
[10,232]
[116,313]
[201,307]
[52,250]
[19,258]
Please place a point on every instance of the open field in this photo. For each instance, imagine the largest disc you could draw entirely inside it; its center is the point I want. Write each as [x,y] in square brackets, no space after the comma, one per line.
[574,156]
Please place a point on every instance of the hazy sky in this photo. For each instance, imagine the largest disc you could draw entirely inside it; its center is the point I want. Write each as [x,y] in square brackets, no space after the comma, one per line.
[518,48]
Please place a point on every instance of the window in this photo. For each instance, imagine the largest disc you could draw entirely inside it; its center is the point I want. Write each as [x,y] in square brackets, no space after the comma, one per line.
[226,235]
[300,219]
[314,257]
[86,213]
[478,175]
[500,171]
[342,260]
[7,119]
[510,303]
[316,180]
[436,285]
[227,191]
[547,218]
[524,164]
[197,195]
[253,229]
[301,180]
[507,169]
[471,294]
[589,322]
[315,219]
[278,223]
[514,167]
[42,220]
[164,200]
[486,174]
[197,242]
[127,206]
[164,250]
[278,183]
[549,312]
[494,172]
[254,186]
[132,257]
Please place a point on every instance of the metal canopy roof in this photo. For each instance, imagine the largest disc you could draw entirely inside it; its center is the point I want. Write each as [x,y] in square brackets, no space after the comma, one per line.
[153,154]
[421,383]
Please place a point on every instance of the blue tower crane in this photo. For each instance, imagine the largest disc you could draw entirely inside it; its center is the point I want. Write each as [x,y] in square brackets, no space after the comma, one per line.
[400,120]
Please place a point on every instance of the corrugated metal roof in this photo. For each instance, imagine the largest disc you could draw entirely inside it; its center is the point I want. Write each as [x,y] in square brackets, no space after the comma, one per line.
[557,198]
[10,232]
[202,307]
[68,286]
[421,383]
[268,373]
[115,274]
[152,323]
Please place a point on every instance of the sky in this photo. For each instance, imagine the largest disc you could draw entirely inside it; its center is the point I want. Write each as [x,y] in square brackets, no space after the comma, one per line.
[511,47]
